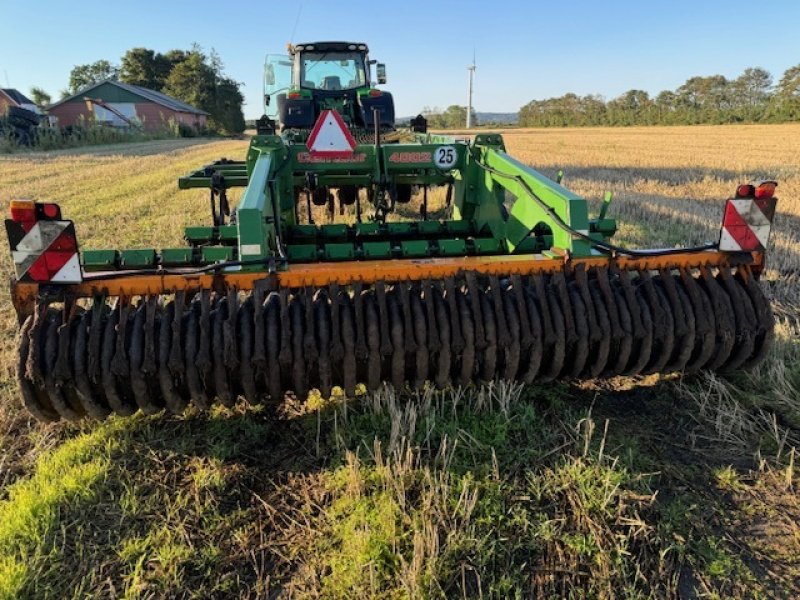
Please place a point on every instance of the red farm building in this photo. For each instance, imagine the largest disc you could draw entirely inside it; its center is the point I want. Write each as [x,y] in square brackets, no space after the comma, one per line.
[120,104]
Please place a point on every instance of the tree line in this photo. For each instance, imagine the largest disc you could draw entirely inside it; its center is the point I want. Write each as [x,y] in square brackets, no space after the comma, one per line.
[191,76]
[453,117]
[752,97]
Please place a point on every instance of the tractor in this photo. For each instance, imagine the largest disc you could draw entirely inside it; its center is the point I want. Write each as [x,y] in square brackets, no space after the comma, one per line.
[326,76]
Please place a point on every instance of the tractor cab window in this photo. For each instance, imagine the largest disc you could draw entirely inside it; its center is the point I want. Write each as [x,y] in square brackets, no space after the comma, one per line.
[332,71]
[277,80]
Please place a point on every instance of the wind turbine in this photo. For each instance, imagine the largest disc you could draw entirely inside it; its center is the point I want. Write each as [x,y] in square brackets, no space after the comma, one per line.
[471,70]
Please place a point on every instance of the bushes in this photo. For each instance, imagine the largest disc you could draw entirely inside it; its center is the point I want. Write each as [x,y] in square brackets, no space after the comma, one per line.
[46,138]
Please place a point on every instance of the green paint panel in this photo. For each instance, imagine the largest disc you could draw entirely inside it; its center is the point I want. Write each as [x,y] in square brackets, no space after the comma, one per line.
[99,258]
[138,258]
[488,246]
[395,229]
[429,227]
[377,249]
[367,228]
[331,232]
[228,233]
[199,234]
[526,246]
[452,247]
[303,232]
[302,252]
[459,227]
[217,253]
[608,227]
[176,256]
[414,248]
[339,251]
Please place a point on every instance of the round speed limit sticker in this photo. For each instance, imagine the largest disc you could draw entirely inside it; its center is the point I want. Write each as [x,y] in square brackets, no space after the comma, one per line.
[445,157]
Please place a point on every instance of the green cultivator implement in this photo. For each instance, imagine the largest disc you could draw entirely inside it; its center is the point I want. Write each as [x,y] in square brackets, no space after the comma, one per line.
[518,282]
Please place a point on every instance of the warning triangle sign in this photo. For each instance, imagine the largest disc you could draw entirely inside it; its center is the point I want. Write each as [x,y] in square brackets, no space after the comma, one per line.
[331,137]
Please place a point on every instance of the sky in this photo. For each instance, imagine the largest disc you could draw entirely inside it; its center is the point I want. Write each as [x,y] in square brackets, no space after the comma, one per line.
[523,50]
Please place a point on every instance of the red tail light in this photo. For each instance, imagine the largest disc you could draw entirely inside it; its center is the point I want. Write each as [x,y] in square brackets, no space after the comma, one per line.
[765,190]
[745,191]
[51,211]
[375,93]
[293,95]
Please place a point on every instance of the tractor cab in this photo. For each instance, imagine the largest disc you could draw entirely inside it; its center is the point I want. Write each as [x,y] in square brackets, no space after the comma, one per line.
[326,75]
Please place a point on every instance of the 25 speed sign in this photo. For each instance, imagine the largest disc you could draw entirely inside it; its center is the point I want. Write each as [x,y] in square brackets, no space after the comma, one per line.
[445,157]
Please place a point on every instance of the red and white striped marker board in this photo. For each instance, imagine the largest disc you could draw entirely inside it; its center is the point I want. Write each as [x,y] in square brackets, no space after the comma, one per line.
[44,251]
[746,224]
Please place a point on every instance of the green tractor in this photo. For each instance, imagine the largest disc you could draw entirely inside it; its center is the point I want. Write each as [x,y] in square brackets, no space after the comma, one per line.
[325,76]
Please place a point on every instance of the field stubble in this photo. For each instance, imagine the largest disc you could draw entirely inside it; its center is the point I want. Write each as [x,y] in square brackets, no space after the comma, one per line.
[639,488]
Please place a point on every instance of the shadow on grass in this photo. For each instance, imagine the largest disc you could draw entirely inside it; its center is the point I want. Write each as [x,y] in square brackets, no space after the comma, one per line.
[553,490]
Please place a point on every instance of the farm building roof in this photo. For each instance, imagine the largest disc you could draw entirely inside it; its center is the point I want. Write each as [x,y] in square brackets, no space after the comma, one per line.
[143,92]
[16,96]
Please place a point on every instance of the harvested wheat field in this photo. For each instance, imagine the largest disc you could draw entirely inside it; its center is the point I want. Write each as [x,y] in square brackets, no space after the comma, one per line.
[638,487]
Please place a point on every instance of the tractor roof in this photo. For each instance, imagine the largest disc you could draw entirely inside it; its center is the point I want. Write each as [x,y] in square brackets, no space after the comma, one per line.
[332,46]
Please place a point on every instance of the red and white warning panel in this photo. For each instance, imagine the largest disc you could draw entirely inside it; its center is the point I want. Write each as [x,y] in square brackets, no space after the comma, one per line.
[748,218]
[330,137]
[43,246]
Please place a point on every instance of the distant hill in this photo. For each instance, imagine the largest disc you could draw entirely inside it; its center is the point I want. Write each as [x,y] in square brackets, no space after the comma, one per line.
[498,117]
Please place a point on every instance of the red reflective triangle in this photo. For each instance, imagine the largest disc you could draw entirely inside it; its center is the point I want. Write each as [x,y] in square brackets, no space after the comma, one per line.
[330,136]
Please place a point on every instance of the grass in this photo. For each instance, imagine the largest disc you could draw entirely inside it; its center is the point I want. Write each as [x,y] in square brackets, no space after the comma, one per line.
[633,488]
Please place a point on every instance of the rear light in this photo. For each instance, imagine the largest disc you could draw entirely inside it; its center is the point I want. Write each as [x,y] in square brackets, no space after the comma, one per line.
[745,191]
[23,211]
[293,95]
[765,190]
[51,211]
[375,93]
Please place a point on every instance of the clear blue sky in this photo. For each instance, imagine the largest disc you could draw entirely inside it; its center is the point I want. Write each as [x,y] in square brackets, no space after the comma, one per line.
[524,50]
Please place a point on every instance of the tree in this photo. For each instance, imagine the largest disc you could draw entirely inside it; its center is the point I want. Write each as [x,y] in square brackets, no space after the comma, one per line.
[40,97]
[788,95]
[229,100]
[453,117]
[193,81]
[789,85]
[83,76]
[714,99]
[754,85]
[145,67]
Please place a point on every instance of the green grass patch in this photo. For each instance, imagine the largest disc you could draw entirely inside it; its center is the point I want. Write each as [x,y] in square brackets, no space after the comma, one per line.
[67,475]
